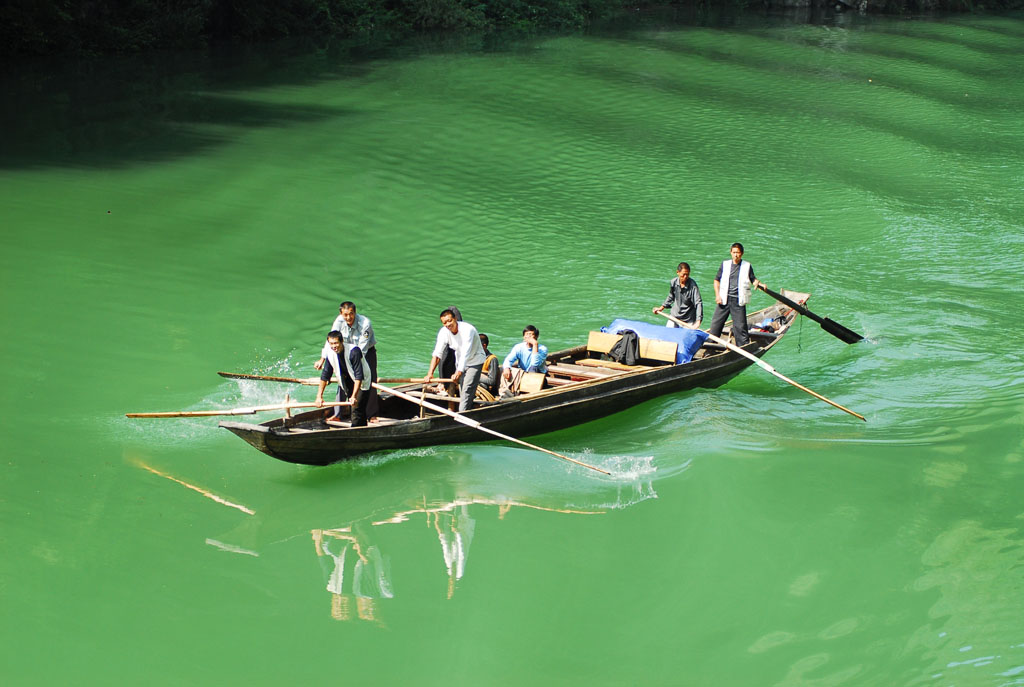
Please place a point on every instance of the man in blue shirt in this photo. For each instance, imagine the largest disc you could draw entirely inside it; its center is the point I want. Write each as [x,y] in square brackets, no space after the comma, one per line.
[526,356]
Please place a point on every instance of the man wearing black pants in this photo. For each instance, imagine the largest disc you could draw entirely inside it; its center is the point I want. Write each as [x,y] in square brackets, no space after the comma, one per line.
[353,378]
[733,284]
[356,330]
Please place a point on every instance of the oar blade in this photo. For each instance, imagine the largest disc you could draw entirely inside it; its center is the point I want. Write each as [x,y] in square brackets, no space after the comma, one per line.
[840,332]
[831,326]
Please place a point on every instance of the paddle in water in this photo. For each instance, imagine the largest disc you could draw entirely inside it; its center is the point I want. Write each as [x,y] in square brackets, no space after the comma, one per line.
[831,326]
[765,366]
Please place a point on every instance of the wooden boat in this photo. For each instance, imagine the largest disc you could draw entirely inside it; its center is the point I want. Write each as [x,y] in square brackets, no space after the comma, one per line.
[579,387]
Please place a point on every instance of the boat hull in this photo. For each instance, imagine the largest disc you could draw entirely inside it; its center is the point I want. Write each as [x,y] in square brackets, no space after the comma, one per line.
[521,417]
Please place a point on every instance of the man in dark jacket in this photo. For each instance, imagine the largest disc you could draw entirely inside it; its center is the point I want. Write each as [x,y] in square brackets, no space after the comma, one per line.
[684,297]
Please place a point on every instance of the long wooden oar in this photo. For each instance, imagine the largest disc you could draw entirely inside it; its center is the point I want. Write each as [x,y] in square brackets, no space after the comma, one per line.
[315,381]
[309,381]
[765,366]
[476,425]
[238,411]
[412,380]
[831,326]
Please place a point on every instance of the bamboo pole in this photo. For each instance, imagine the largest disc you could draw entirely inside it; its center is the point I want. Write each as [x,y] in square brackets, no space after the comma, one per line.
[476,425]
[765,366]
[238,411]
[315,381]
[308,381]
[413,380]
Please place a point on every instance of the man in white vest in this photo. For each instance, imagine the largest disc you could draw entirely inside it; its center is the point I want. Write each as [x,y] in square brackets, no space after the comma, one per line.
[353,377]
[356,330]
[733,285]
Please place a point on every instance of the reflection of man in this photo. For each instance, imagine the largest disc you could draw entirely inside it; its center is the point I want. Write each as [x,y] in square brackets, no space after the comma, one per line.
[353,375]
[463,338]
[684,297]
[732,293]
[356,330]
[529,355]
[368,573]
[455,535]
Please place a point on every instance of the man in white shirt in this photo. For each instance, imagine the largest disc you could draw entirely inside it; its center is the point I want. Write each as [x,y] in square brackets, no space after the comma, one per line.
[356,331]
[463,338]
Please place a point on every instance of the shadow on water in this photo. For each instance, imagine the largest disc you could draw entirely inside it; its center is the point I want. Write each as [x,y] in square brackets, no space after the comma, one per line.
[783,104]
[119,111]
[114,112]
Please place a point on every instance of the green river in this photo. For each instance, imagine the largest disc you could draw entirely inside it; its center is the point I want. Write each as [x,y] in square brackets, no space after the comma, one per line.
[170,215]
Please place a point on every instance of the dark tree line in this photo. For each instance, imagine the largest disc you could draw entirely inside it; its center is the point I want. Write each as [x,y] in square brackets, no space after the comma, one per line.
[100,26]
[104,26]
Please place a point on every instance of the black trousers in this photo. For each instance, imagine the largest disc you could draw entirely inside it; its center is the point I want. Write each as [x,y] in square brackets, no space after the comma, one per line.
[732,308]
[357,414]
[372,404]
[447,367]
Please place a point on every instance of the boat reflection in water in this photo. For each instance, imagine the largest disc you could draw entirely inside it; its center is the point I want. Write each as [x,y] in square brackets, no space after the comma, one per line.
[358,575]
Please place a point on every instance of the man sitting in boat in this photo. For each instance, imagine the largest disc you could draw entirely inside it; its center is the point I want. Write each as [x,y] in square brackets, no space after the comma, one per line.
[684,297]
[356,330]
[529,355]
[463,338]
[490,373]
[353,375]
[732,293]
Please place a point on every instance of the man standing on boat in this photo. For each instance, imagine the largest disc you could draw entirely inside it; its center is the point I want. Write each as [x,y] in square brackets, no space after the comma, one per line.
[684,297]
[356,330]
[732,293]
[353,373]
[529,355]
[463,338]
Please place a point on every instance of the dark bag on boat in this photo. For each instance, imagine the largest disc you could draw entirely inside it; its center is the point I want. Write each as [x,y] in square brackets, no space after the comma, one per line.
[627,349]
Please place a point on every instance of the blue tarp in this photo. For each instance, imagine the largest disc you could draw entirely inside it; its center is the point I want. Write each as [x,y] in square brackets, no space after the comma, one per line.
[688,340]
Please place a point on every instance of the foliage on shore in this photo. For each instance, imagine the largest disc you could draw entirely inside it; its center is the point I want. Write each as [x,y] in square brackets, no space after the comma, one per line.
[109,26]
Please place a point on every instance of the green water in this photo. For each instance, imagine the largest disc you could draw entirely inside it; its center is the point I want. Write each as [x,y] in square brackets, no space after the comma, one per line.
[166,217]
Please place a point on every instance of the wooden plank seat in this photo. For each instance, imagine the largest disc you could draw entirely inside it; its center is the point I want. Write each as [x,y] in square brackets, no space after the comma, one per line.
[570,370]
[650,349]
[441,397]
[612,365]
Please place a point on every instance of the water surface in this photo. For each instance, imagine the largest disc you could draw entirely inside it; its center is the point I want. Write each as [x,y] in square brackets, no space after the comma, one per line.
[169,216]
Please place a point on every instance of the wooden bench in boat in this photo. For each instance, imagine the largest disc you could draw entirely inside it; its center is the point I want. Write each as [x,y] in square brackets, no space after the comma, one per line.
[589,369]
[650,349]
[611,365]
[571,370]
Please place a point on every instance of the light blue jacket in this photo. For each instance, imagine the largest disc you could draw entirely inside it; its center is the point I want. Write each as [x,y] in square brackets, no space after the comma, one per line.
[527,360]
